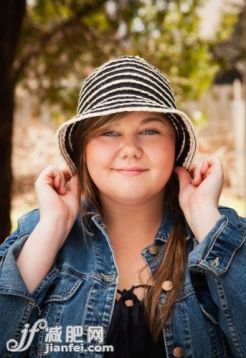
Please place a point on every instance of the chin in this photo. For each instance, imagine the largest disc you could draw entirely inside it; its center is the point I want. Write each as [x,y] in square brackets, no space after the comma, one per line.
[132,200]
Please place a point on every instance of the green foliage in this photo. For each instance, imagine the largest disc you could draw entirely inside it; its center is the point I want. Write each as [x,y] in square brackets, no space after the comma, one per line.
[63,40]
[170,38]
[229,19]
[227,46]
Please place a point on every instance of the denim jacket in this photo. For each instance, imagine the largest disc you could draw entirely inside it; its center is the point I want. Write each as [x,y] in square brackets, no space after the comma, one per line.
[208,320]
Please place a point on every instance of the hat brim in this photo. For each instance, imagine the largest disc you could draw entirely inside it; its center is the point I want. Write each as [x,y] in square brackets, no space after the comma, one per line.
[190,140]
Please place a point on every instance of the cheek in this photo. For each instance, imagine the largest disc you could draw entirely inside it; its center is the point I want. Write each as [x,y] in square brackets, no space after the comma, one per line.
[164,153]
[98,156]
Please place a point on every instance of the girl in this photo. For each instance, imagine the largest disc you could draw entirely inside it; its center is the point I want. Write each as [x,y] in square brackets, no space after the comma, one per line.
[146,264]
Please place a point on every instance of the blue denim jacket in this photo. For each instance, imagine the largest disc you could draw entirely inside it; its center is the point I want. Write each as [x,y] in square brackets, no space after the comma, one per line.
[208,321]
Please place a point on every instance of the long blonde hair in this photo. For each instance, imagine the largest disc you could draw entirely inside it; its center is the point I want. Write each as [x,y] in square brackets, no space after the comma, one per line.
[173,260]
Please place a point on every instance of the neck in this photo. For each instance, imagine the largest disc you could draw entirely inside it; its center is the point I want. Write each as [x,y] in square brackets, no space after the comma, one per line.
[128,222]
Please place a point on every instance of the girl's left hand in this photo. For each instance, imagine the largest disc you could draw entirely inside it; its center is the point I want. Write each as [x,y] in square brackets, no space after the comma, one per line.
[199,193]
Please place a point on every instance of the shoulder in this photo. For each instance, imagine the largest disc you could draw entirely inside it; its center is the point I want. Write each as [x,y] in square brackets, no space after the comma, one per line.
[26,225]
[232,215]
[28,221]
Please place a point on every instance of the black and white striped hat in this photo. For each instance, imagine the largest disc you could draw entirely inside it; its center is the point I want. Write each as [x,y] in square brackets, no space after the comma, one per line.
[128,84]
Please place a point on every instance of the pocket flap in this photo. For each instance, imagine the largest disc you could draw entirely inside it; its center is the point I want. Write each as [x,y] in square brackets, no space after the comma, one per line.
[64,286]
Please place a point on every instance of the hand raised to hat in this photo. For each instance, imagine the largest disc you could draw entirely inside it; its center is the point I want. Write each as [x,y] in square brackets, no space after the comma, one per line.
[199,195]
[57,193]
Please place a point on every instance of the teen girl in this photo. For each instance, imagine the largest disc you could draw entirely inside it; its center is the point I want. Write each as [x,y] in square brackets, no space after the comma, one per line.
[129,238]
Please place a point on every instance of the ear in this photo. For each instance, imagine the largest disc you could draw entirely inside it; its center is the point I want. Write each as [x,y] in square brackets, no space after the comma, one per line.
[184,176]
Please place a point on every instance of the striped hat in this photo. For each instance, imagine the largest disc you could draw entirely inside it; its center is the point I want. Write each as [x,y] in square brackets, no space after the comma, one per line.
[128,84]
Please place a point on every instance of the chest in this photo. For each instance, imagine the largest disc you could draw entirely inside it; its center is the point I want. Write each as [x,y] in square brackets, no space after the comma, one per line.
[133,269]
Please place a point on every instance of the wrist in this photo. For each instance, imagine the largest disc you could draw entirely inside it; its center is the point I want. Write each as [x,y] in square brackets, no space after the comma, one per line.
[194,211]
[57,224]
[202,219]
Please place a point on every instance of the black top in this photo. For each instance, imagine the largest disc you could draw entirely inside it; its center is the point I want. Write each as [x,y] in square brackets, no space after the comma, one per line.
[129,332]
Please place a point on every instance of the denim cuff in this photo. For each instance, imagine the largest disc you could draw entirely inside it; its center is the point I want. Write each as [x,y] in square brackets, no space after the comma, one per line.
[215,253]
[11,281]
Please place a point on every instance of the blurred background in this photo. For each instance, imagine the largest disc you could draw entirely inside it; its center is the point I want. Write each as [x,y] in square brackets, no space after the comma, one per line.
[48,47]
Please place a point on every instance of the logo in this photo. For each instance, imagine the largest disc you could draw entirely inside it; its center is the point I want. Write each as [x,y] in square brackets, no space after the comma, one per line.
[73,337]
[14,346]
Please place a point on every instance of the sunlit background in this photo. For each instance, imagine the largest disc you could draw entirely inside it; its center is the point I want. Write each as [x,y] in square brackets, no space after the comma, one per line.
[200,45]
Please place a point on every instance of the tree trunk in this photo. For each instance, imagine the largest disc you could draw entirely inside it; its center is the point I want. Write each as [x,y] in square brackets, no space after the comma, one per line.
[11,18]
[6,120]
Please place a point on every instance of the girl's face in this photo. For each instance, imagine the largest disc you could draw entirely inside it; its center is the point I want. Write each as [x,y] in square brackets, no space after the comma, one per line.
[131,161]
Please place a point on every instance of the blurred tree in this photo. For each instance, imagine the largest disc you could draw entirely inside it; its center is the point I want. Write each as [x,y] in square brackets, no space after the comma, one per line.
[62,40]
[230,51]
[11,18]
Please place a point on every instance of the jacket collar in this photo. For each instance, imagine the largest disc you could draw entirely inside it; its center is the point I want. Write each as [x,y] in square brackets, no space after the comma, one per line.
[162,233]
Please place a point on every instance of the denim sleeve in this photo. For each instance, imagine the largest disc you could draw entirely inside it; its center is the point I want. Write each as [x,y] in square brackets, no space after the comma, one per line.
[17,305]
[222,257]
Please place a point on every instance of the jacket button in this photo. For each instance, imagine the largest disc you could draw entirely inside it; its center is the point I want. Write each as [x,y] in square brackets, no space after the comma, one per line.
[167,286]
[153,250]
[178,352]
[215,262]
[129,302]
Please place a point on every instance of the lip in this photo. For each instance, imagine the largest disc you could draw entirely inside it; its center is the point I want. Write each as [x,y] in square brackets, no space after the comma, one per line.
[131,171]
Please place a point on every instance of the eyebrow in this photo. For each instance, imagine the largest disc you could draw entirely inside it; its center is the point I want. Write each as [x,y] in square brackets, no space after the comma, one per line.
[146,120]
[153,119]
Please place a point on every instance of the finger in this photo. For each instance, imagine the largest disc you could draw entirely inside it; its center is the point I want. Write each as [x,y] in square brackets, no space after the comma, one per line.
[211,164]
[57,181]
[56,176]
[197,176]
[205,168]
[62,188]
[67,174]
[74,185]
[50,175]
[212,167]
[65,177]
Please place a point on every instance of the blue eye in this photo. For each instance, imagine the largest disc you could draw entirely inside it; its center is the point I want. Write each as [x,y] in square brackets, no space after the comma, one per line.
[151,131]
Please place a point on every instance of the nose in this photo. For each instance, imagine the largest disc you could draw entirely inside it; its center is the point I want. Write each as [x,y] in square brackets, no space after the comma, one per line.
[131,148]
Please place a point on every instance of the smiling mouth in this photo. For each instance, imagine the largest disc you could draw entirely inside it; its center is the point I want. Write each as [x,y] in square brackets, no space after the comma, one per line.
[130,171]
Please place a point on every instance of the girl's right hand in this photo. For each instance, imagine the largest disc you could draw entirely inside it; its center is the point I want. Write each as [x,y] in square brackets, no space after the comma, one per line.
[58,196]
